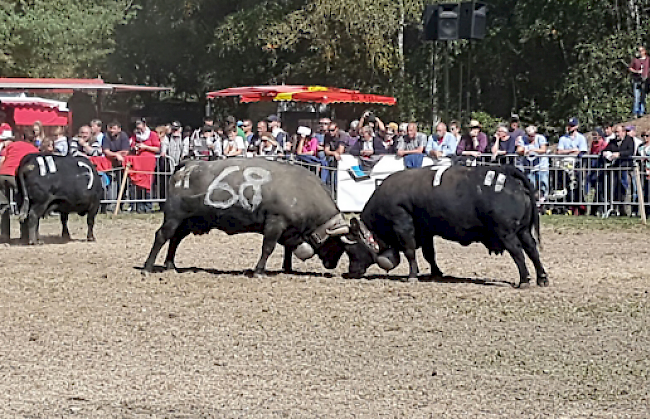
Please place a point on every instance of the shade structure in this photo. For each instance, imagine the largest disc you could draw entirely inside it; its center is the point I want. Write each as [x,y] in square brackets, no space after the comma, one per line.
[26,110]
[53,85]
[312,94]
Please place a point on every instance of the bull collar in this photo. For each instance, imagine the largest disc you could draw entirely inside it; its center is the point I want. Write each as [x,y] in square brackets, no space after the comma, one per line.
[368,237]
[335,226]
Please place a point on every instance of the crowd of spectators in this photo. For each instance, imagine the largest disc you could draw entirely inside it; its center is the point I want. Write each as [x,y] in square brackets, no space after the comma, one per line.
[368,138]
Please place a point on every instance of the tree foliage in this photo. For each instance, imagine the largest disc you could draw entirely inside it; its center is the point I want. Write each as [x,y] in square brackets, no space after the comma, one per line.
[544,59]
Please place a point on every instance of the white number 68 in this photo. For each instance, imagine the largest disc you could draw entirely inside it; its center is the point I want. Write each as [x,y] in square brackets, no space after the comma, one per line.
[254,177]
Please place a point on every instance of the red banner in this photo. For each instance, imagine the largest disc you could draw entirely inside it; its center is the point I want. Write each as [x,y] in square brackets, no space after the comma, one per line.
[139,164]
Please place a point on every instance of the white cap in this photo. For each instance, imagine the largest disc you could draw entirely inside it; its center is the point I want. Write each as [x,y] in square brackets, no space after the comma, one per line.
[6,134]
[305,131]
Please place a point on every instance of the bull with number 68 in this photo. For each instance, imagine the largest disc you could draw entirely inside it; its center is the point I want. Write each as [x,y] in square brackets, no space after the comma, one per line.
[287,204]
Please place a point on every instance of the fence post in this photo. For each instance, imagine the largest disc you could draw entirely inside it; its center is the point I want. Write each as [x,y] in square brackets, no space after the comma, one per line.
[122,187]
[639,189]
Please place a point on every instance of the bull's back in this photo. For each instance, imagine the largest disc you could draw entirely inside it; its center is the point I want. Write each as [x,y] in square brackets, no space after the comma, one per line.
[250,190]
[449,202]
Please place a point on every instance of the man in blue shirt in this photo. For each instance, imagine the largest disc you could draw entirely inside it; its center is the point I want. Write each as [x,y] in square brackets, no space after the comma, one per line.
[573,142]
[445,148]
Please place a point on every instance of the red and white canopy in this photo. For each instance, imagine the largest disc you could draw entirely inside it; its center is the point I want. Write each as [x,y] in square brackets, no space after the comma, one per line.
[313,94]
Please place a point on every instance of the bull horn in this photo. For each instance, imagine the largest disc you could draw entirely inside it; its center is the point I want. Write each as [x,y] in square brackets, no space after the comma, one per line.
[338,230]
[345,240]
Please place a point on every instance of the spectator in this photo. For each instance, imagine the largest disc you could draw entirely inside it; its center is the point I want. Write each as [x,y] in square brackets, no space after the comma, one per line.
[247,127]
[10,157]
[598,142]
[267,145]
[401,131]
[334,148]
[39,133]
[639,69]
[370,148]
[47,146]
[85,144]
[256,139]
[370,119]
[323,126]
[96,131]
[206,145]
[573,142]
[307,151]
[387,143]
[411,147]
[144,142]
[532,146]
[172,146]
[280,136]
[503,143]
[187,135]
[474,143]
[115,147]
[514,131]
[5,128]
[231,120]
[60,142]
[631,131]
[644,151]
[609,132]
[355,131]
[433,144]
[233,145]
[617,155]
[161,131]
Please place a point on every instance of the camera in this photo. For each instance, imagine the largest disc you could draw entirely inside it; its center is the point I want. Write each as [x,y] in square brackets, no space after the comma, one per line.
[371,117]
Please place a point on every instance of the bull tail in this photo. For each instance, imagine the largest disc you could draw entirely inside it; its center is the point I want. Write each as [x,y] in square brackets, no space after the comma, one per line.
[22,188]
[535,225]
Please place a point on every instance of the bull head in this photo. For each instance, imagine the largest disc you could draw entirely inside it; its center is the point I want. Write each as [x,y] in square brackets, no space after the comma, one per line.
[387,259]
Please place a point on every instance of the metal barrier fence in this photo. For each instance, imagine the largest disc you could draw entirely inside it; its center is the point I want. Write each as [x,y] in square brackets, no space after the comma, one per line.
[585,184]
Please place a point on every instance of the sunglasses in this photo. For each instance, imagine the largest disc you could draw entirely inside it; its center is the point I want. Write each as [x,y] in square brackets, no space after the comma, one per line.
[332,130]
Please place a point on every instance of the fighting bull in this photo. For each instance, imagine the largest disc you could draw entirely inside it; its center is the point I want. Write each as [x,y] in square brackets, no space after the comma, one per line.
[286,204]
[56,183]
[490,205]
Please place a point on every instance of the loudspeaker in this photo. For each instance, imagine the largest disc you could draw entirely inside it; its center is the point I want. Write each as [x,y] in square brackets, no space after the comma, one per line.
[473,20]
[448,21]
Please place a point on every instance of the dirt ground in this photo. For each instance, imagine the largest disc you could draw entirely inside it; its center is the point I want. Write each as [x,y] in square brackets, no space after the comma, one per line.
[84,334]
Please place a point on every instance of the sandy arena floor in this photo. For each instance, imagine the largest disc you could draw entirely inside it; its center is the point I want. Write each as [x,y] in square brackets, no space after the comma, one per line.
[84,334]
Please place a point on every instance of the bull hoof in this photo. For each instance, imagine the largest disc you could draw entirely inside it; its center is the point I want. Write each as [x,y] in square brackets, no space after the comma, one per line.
[542,281]
[411,279]
[170,266]
[91,239]
[523,285]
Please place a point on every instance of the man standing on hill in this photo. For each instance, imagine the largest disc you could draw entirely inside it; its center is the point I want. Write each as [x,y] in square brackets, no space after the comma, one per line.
[639,70]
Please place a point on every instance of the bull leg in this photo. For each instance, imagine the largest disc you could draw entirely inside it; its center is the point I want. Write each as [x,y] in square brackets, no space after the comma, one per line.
[34,217]
[406,236]
[272,233]
[430,255]
[163,234]
[65,233]
[181,232]
[530,247]
[287,262]
[90,221]
[513,246]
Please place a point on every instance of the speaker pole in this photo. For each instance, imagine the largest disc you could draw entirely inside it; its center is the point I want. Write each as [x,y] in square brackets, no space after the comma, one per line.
[434,87]
[469,78]
[447,82]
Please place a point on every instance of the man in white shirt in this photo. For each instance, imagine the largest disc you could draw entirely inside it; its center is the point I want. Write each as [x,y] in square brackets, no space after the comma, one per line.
[573,142]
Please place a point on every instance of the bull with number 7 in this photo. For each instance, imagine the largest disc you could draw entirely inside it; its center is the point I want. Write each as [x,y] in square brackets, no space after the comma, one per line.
[287,204]
[494,206]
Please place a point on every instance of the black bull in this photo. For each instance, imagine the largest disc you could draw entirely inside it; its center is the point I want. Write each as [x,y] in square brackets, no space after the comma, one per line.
[286,203]
[56,183]
[490,205]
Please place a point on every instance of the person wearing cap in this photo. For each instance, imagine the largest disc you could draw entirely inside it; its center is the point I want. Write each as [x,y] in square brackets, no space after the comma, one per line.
[306,150]
[639,70]
[172,146]
[573,142]
[514,131]
[532,146]
[474,143]
[10,157]
[280,136]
